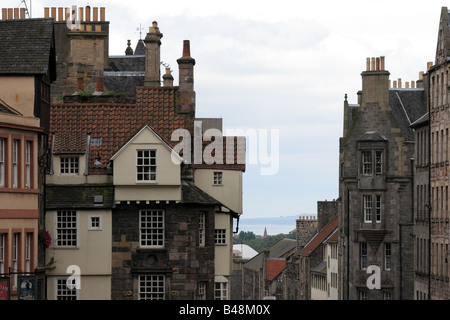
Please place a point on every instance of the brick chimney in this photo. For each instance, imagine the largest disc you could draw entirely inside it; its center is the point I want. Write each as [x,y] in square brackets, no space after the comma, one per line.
[168,78]
[375,82]
[186,93]
[153,56]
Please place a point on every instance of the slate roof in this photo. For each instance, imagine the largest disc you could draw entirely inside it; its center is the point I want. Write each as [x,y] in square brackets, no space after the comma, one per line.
[193,194]
[25,46]
[79,196]
[320,237]
[280,249]
[407,106]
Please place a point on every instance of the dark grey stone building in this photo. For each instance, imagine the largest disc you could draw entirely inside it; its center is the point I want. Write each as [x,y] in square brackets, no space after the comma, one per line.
[375,188]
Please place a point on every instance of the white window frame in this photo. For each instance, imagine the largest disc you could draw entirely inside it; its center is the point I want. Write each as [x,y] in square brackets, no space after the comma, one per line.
[378,162]
[62,291]
[201,229]
[378,208]
[152,232]
[366,161]
[201,290]
[2,252]
[15,163]
[220,290]
[152,287]
[363,255]
[220,236]
[2,161]
[69,165]
[28,152]
[367,207]
[387,256]
[91,219]
[218,178]
[59,227]
[146,165]
[15,258]
[28,239]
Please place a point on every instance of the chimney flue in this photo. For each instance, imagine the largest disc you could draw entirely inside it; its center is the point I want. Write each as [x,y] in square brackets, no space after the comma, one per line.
[152,56]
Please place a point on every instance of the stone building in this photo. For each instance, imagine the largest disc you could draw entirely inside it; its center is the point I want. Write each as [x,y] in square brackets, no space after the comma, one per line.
[161,221]
[375,186]
[431,176]
[27,68]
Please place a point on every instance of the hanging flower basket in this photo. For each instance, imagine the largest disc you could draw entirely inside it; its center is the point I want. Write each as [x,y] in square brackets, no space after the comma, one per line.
[44,238]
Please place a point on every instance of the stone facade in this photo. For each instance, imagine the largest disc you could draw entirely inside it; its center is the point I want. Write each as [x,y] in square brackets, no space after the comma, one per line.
[375,189]
[183,262]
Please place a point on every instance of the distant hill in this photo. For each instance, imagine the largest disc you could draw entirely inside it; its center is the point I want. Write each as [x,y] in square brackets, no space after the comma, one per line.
[259,243]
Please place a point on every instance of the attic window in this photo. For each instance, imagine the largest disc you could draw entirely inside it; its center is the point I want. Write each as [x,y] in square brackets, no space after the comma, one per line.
[69,165]
[146,165]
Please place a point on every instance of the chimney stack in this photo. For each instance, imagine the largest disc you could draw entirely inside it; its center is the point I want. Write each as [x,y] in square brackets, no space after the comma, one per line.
[168,78]
[186,94]
[153,56]
[186,68]
[375,82]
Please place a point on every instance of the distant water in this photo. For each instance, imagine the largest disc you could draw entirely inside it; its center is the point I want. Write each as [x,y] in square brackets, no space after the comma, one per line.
[274,225]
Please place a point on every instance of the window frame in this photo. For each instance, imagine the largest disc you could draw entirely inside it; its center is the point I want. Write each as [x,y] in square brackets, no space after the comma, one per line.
[220,237]
[72,167]
[202,229]
[221,293]
[3,161]
[152,230]
[217,178]
[65,292]
[363,255]
[100,222]
[144,166]
[59,241]
[143,279]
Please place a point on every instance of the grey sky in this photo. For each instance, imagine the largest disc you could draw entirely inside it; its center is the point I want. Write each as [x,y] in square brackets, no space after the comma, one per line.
[280,65]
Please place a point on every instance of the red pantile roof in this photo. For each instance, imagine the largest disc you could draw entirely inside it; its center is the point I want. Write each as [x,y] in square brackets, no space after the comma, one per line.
[274,267]
[320,237]
[112,125]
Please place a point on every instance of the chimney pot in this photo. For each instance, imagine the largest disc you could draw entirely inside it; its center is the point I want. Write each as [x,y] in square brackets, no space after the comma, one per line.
[413,84]
[99,86]
[372,66]
[47,12]
[10,14]
[378,64]
[80,85]
[95,14]
[16,13]
[382,62]
[102,14]
[399,83]
[368,64]
[186,48]
[88,14]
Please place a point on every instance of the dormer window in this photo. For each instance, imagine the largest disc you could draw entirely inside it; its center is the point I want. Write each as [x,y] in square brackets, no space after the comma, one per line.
[69,165]
[372,162]
[146,165]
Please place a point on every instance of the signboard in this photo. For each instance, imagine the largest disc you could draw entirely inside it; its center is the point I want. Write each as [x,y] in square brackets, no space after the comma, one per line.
[4,288]
[26,288]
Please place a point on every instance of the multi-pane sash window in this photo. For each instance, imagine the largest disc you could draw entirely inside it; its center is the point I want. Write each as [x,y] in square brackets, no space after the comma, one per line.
[217,178]
[2,161]
[378,208]
[66,228]
[151,287]
[151,228]
[387,256]
[146,165]
[369,206]
[367,200]
[220,236]
[28,164]
[201,295]
[220,291]
[201,229]
[372,162]
[367,162]
[378,162]
[15,163]
[63,292]
[2,252]
[28,252]
[69,165]
[15,257]
[363,255]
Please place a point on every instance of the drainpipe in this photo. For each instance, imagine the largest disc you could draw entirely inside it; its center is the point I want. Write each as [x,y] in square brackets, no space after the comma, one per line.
[348,243]
[88,143]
